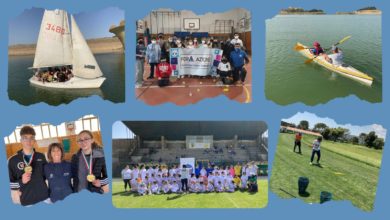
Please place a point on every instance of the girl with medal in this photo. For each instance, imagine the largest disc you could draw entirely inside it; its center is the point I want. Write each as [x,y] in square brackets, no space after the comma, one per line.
[89,166]
[58,173]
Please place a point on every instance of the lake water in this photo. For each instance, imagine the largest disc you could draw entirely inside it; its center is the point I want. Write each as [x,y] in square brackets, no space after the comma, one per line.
[289,80]
[20,90]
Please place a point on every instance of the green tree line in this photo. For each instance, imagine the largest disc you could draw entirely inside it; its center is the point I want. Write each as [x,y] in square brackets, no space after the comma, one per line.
[339,134]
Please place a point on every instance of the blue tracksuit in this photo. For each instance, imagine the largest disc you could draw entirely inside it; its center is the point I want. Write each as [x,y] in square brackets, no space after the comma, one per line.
[238,58]
[59,177]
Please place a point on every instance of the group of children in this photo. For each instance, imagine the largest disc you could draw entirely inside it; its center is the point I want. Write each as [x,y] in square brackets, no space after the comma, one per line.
[56,74]
[230,69]
[161,180]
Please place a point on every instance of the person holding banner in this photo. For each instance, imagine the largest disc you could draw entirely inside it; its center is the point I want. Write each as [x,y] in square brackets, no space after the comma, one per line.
[239,58]
[58,173]
[27,179]
[89,166]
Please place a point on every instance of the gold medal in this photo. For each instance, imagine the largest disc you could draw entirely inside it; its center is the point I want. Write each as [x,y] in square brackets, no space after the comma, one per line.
[28,169]
[91,178]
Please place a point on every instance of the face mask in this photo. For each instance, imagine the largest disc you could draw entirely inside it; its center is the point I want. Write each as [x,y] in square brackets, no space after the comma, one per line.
[195,40]
[190,43]
[224,61]
[235,37]
[203,42]
[153,41]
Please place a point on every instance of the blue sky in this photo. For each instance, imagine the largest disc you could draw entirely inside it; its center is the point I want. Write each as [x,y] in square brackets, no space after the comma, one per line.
[354,129]
[119,130]
[24,29]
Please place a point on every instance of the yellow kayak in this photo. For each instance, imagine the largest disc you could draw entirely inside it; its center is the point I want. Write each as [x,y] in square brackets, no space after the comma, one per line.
[344,70]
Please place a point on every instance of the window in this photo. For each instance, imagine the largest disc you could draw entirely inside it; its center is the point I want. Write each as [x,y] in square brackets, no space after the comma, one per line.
[46,130]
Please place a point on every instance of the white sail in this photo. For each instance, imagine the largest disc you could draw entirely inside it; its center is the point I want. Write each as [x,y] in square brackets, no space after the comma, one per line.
[54,46]
[84,63]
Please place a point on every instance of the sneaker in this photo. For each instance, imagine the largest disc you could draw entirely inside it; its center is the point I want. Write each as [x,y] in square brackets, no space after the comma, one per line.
[138,85]
[311,163]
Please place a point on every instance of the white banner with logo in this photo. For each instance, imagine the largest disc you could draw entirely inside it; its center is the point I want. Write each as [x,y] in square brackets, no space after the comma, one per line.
[196,61]
[189,162]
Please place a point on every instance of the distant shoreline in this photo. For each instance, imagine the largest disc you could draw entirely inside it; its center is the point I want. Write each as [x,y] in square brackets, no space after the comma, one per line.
[362,12]
[98,46]
[301,13]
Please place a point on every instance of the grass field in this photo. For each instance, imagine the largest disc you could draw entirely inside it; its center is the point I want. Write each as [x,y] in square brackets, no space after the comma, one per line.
[121,199]
[348,171]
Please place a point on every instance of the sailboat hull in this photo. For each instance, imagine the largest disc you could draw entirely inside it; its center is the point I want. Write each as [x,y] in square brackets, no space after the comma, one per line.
[74,83]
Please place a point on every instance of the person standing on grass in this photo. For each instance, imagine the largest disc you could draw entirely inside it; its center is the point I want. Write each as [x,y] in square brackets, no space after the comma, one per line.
[297,142]
[237,170]
[316,150]
[126,176]
[184,174]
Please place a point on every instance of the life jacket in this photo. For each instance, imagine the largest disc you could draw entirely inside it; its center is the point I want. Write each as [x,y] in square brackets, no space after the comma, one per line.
[317,50]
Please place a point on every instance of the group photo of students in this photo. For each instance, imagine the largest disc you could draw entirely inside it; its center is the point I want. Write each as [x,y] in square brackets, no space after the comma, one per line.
[179,51]
[143,179]
[51,173]
[156,53]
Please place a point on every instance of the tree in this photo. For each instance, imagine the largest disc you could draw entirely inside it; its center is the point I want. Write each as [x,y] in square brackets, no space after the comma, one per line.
[379,143]
[367,8]
[287,124]
[370,138]
[326,133]
[320,127]
[355,140]
[337,133]
[362,138]
[303,125]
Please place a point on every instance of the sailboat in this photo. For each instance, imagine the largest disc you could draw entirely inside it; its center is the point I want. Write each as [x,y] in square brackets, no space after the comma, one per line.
[58,47]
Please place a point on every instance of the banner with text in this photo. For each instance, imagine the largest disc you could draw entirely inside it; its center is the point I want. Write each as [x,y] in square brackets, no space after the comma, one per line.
[196,61]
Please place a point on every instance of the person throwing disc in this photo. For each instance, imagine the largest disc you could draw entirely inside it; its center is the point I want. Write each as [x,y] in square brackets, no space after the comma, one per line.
[316,150]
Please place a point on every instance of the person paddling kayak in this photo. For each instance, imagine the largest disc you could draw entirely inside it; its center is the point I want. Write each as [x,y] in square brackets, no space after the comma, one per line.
[336,58]
[317,49]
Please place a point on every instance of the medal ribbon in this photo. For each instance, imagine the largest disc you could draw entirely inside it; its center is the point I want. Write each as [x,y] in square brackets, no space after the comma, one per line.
[88,166]
[31,159]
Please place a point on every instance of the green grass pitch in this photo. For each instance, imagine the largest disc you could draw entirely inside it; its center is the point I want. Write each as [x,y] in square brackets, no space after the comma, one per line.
[349,172]
[121,199]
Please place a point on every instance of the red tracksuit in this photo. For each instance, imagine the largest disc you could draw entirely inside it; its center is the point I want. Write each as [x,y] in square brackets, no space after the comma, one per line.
[164,70]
